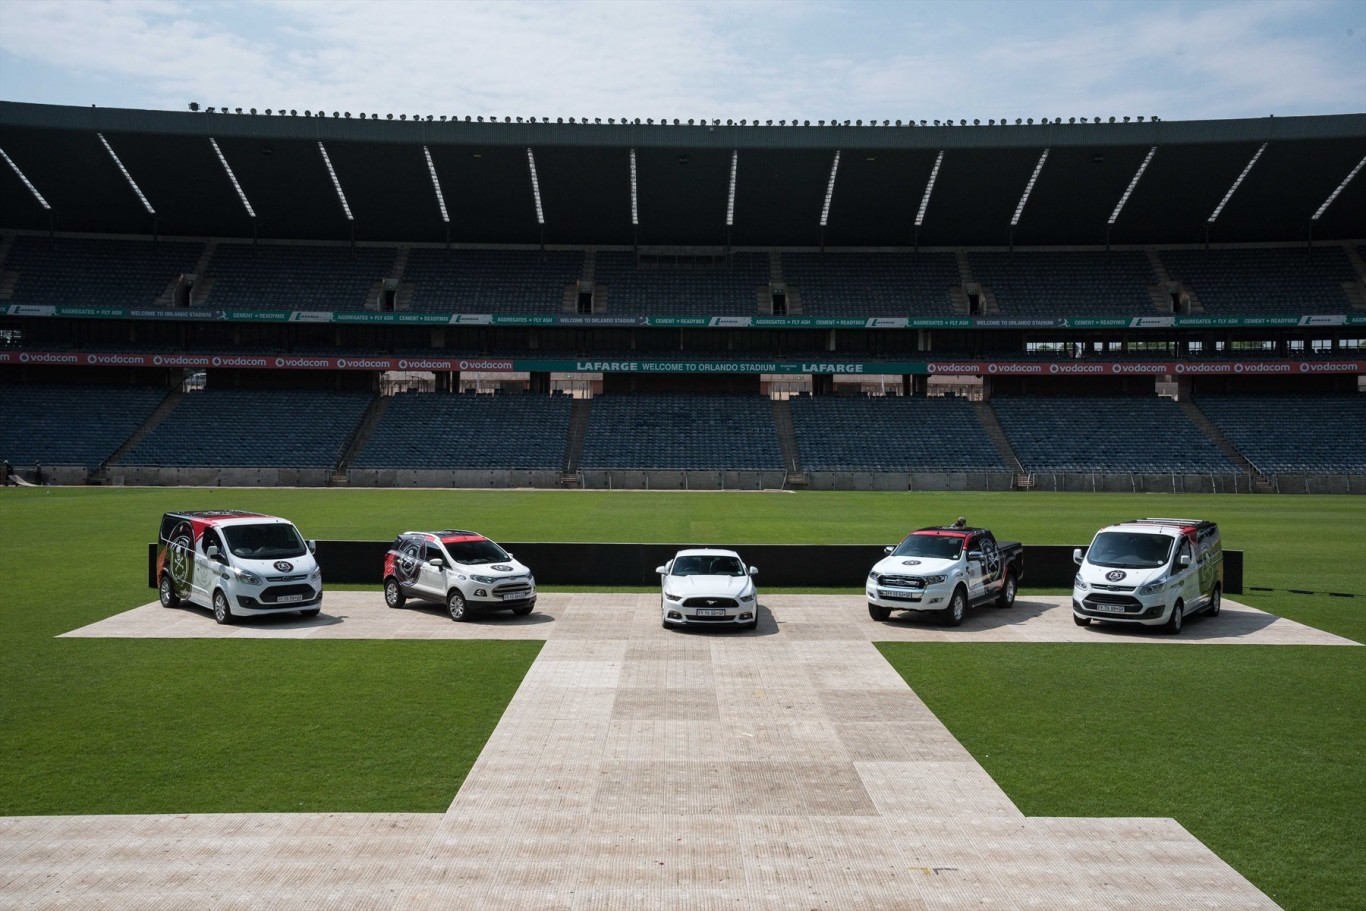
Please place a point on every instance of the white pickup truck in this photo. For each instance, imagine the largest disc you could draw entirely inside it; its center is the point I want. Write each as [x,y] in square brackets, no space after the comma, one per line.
[944,569]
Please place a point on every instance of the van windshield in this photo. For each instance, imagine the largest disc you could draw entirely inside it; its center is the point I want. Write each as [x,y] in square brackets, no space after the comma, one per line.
[476,552]
[1129,550]
[264,542]
[940,547]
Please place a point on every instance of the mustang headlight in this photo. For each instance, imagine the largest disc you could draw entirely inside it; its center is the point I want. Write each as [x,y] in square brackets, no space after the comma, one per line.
[1080,583]
[748,597]
[486,580]
[247,578]
[1153,588]
[672,597]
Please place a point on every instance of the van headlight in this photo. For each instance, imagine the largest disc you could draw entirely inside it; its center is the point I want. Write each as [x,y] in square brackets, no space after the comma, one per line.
[1080,584]
[247,578]
[317,574]
[1153,588]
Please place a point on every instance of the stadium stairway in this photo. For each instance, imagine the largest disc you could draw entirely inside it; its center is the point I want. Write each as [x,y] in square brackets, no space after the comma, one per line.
[998,437]
[359,438]
[787,441]
[1260,482]
[168,404]
[573,444]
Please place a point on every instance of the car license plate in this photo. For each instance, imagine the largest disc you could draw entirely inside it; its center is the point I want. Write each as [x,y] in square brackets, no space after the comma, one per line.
[1108,608]
[710,612]
[515,596]
[285,599]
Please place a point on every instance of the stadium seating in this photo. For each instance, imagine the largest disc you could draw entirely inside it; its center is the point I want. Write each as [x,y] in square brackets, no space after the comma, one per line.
[1145,434]
[659,289]
[491,281]
[294,277]
[1067,283]
[1293,433]
[726,432]
[85,272]
[1277,280]
[872,284]
[443,431]
[71,425]
[891,434]
[253,428]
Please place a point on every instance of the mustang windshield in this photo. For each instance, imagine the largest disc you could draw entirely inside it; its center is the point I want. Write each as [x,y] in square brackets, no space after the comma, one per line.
[939,547]
[1129,550]
[264,542]
[707,566]
[476,552]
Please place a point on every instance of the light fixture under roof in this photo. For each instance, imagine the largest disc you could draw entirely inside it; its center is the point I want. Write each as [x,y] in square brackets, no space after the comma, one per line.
[436,185]
[126,176]
[535,185]
[830,188]
[25,181]
[929,188]
[1331,196]
[730,194]
[1029,188]
[336,184]
[1133,182]
[232,178]
[635,211]
[1241,177]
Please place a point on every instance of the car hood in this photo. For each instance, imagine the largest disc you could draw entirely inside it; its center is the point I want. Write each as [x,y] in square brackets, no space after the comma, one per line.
[701,586]
[503,569]
[1135,578]
[301,565]
[915,566]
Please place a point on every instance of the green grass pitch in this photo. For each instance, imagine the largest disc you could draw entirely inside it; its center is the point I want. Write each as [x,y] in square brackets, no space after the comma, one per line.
[1257,750]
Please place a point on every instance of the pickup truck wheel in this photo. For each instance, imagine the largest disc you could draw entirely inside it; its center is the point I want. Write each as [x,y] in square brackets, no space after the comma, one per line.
[1008,589]
[1215,603]
[455,606]
[879,613]
[166,591]
[1081,621]
[393,595]
[222,611]
[958,605]
[1175,621]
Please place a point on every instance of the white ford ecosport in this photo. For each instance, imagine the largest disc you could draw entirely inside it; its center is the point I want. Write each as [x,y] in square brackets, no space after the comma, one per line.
[237,564]
[462,570]
[1153,572]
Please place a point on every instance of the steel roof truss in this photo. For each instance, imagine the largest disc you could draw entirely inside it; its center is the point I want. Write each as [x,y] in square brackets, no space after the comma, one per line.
[1334,195]
[232,178]
[23,178]
[635,208]
[336,184]
[1238,180]
[436,185]
[535,186]
[1129,190]
[730,194]
[929,188]
[1029,188]
[830,188]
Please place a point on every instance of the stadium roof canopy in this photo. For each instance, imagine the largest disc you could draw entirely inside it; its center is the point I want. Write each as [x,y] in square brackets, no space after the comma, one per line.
[288,176]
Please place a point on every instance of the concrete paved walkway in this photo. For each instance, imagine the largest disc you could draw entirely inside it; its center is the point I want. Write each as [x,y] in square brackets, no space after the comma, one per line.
[639,768]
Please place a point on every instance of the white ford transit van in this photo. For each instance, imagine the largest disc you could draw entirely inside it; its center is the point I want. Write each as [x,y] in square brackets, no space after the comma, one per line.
[237,564]
[1153,572]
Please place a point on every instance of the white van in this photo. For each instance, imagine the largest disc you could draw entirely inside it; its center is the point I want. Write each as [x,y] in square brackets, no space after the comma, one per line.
[237,564]
[1154,572]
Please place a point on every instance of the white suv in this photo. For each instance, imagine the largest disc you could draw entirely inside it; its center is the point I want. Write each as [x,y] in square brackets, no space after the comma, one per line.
[461,569]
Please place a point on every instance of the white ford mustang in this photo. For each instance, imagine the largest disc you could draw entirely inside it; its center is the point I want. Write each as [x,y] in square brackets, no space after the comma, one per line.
[708,587]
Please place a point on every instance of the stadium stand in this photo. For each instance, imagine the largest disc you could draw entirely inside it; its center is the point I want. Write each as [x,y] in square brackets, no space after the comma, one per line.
[424,430]
[1277,280]
[491,281]
[726,432]
[1293,433]
[1066,283]
[891,434]
[1105,433]
[272,276]
[872,284]
[662,289]
[253,428]
[91,272]
[71,425]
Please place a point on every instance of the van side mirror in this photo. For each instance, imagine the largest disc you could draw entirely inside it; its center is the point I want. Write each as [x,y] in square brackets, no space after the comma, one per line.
[1184,559]
[1077,556]
[212,552]
[312,546]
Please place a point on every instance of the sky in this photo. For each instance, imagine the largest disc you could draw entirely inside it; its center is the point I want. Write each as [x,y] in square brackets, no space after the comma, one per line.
[753,59]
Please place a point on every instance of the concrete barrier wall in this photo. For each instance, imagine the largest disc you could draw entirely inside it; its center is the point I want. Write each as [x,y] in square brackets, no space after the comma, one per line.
[780,565]
[146,476]
[679,479]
